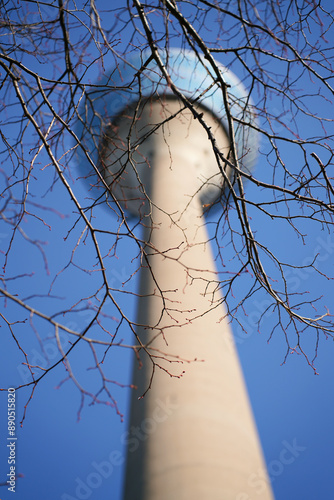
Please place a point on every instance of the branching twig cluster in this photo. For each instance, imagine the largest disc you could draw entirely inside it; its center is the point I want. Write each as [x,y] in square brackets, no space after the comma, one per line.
[53,56]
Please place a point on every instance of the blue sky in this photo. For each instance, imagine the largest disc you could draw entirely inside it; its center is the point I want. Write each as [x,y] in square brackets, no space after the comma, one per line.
[61,458]
[292,406]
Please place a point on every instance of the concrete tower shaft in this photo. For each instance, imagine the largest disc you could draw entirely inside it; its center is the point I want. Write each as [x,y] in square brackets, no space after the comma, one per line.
[191,437]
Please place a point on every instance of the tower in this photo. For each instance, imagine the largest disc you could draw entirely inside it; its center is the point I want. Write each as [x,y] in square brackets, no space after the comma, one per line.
[192,435]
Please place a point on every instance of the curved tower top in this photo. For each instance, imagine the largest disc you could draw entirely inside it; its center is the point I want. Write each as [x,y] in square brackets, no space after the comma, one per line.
[138,79]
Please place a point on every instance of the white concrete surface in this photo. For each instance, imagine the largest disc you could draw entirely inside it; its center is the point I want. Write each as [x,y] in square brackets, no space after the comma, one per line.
[191,437]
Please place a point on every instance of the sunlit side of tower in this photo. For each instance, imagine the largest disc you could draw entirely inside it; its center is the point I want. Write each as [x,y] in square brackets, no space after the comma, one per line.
[196,436]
